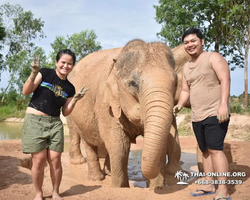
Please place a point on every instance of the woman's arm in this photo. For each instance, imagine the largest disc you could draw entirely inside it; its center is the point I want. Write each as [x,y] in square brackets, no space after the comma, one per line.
[70,102]
[34,79]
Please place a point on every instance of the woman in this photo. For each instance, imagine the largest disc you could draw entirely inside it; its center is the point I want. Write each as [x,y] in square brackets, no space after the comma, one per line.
[42,132]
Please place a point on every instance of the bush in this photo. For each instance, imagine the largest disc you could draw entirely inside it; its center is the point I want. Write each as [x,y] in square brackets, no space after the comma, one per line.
[10,111]
[236,108]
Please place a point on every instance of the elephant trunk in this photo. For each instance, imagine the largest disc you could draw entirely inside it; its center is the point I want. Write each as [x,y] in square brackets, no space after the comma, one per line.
[158,104]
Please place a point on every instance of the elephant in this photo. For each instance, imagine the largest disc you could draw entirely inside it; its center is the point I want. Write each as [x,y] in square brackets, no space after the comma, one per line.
[132,93]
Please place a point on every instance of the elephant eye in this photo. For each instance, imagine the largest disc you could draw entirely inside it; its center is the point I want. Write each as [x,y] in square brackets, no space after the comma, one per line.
[133,87]
[134,84]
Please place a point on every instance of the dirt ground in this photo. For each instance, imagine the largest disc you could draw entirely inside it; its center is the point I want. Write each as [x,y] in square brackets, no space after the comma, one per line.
[16,183]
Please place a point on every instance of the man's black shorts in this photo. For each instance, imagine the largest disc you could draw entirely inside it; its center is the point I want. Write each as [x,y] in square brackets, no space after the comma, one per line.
[210,133]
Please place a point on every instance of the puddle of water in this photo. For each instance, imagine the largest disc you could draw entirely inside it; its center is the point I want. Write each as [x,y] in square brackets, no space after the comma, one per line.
[10,131]
[134,169]
[188,161]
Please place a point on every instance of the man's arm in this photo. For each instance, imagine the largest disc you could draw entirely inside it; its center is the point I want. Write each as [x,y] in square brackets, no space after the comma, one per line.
[221,68]
[184,95]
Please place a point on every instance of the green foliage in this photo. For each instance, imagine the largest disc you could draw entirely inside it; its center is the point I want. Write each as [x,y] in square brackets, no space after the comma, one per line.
[14,99]
[225,24]
[81,44]
[2,30]
[10,111]
[236,108]
[2,36]
[20,66]
[175,17]
[21,30]
[237,104]
[237,32]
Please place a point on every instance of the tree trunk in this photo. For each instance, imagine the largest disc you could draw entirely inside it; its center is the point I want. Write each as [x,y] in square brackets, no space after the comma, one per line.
[4,93]
[216,47]
[246,69]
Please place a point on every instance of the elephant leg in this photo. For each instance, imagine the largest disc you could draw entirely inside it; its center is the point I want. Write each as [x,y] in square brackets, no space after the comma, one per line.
[75,154]
[119,152]
[173,150]
[94,168]
[159,181]
[199,159]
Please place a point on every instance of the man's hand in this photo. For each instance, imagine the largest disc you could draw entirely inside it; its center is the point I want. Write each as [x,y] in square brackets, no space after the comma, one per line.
[177,109]
[35,67]
[223,118]
[79,95]
[222,113]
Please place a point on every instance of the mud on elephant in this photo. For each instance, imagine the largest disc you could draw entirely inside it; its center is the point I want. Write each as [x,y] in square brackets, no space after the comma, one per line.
[130,96]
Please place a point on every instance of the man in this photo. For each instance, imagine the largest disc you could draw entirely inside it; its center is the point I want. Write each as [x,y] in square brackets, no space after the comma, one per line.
[206,83]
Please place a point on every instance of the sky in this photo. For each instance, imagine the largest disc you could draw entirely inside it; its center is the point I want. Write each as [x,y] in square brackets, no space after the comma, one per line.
[115,22]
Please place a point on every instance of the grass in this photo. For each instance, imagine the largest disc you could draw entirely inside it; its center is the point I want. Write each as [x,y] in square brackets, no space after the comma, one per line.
[185,111]
[10,111]
[237,106]
[185,129]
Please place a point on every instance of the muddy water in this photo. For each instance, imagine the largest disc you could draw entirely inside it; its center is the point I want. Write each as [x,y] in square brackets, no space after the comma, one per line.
[78,173]
[12,131]
[9,131]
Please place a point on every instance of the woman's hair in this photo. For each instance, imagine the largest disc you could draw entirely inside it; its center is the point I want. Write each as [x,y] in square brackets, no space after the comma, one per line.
[66,51]
[192,31]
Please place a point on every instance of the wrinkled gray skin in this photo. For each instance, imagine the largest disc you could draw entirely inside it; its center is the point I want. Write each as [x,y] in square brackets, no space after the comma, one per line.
[130,96]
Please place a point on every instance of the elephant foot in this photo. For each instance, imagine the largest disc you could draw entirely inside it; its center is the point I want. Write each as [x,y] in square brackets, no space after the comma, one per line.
[172,168]
[157,183]
[96,176]
[119,183]
[156,187]
[77,160]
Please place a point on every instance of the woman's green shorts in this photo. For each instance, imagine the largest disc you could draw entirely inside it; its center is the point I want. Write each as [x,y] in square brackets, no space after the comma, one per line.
[41,132]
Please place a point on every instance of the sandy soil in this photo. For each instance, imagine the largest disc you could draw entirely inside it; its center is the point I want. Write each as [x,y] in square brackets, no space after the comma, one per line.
[16,183]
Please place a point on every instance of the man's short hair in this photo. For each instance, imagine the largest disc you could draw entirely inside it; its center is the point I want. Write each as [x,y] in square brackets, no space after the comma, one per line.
[192,31]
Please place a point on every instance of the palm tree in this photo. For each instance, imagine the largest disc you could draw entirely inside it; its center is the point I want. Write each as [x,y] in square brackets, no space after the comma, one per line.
[185,177]
[178,174]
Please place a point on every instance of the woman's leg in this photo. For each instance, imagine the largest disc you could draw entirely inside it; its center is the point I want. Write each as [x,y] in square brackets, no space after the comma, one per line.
[54,159]
[37,171]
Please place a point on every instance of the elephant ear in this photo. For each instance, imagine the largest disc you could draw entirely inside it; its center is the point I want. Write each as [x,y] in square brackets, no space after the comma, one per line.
[111,93]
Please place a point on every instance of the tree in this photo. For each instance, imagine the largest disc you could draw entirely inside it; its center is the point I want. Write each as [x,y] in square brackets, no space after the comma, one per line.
[175,17]
[238,35]
[2,36]
[81,44]
[179,15]
[21,30]
[24,59]
[222,26]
